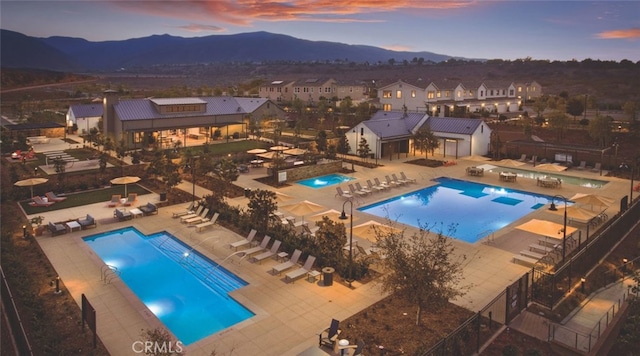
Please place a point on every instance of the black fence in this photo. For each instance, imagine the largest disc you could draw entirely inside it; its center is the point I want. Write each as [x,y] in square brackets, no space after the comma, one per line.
[549,288]
[19,335]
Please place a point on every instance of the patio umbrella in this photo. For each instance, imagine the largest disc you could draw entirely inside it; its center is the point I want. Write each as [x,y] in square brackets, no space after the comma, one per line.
[592,199]
[331,214]
[577,213]
[478,158]
[510,163]
[255,151]
[279,148]
[270,155]
[303,208]
[30,183]
[545,228]
[368,230]
[125,180]
[281,197]
[295,151]
[550,167]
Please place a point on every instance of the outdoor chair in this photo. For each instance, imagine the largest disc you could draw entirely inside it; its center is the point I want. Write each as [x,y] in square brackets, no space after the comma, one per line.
[597,167]
[52,197]
[193,215]
[131,199]
[360,188]
[205,224]
[391,182]
[412,180]
[342,193]
[38,201]
[115,200]
[246,241]
[298,273]
[279,268]
[149,209]
[329,336]
[354,191]
[253,250]
[263,256]
[188,210]
[523,158]
[56,229]
[87,222]
[198,219]
[381,184]
[122,214]
[583,165]
[401,181]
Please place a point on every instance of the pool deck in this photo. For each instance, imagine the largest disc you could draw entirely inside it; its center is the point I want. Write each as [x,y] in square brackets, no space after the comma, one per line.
[289,316]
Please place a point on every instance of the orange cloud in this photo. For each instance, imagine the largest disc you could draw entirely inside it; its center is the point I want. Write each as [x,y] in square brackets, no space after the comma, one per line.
[245,12]
[631,33]
[202,28]
[398,48]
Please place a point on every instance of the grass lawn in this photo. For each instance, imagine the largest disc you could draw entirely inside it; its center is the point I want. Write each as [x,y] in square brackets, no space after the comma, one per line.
[85,198]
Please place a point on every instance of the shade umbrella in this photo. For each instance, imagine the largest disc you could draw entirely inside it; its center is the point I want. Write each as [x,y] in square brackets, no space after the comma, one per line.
[550,167]
[30,182]
[281,197]
[331,214]
[545,228]
[279,148]
[477,158]
[125,180]
[369,229]
[592,199]
[255,151]
[577,213]
[270,155]
[510,163]
[295,151]
[303,208]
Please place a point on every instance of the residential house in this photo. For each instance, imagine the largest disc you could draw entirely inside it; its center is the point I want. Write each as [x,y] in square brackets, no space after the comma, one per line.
[85,116]
[277,91]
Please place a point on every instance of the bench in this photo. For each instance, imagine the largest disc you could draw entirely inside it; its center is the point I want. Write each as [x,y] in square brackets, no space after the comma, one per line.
[37,139]
[542,248]
[549,241]
[531,254]
[524,260]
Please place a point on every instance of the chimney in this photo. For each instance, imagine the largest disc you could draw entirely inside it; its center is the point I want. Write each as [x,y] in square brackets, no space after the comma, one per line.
[108,112]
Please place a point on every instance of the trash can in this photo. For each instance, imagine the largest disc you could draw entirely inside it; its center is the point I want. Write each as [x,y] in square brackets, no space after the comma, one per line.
[247,191]
[163,196]
[327,276]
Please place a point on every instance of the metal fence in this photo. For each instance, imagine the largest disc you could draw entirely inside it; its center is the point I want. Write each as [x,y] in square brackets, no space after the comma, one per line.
[19,335]
[549,288]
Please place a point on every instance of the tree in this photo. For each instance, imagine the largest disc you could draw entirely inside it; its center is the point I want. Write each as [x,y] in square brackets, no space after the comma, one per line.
[631,108]
[121,152]
[321,141]
[227,171]
[343,145]
[363,148]
[422,268]
[600,130]
[60,166]
[262,204]
[425,140]
[575,107]
[558,122]
[170,174]
[329,240]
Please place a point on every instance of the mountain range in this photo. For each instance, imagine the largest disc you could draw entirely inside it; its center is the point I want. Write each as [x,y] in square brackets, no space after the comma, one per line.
[77,54]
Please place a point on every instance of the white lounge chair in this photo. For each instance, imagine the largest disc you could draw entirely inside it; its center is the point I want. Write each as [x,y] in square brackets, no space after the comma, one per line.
[373,187]
[360,188]
[411,180]
[263,256]
[300,272]
[343,194]
[391,182]
[288,264]
[198,219]
[189,216]
[206,224]
[188,210]
[355,192]
[381,184]
[253,250]
[246,241]
[400,181]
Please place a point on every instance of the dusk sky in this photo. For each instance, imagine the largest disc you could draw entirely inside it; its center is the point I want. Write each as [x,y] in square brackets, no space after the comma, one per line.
[555,30]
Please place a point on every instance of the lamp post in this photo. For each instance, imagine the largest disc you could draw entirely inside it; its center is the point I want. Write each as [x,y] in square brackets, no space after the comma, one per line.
[35,171]
[343,216]
[564,228]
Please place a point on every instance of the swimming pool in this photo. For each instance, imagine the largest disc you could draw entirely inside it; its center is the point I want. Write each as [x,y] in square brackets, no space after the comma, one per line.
[325,181]
[184,289]
[583,182]
[475,209]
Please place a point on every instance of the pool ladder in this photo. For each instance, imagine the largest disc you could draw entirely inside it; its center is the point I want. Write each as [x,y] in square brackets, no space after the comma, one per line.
[489,234]
[108,272]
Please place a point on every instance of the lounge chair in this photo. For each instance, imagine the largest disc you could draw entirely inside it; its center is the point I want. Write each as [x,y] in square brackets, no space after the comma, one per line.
[131,199]
[329,336]
[391,182]
[288,264]
[360,188]
[246,241]
[343,194]
[263,256]
[381,184]
[308,231]
[373,187]
[583,165]
[52,197]
[87,222]
[148,209]
[533,160]
[122,214]
[298,273]
[56,229]
[188,210]
[198,219]
[115,200]
[355,192]
[38,201]
[401,181]
[411,180]
[253,250]
[206,224]
[597,167]
[523,158]
[189,216]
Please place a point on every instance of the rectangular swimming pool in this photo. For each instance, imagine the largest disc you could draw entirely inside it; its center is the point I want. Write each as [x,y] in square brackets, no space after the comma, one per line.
[325,181]
[474,209]
[184,289]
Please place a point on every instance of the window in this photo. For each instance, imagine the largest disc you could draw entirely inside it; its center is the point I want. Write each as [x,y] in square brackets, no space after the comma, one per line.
[398,94]
[519,89]
[459,93]
[386,94]
[431,94]
[471,93]
[138,137]
[481,93]
[491,92]
[446,93]
[503,92]
[296,90]
[413,93]
[511,93]
[438,94]
[386,107]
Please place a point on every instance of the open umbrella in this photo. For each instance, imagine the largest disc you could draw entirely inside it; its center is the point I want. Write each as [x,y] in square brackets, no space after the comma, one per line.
[281,197]
[303,208]
[369,229]
[279,148]
[592,199]
[577,213]
[295,151]
[255,151]
[545,228]
[30,183]
[331,214]
[270,155]
[125,180]
[550,167]
[510,163]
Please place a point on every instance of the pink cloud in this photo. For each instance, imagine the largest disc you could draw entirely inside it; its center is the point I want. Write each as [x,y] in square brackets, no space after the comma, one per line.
[245,12]
[201,28]
[631,33]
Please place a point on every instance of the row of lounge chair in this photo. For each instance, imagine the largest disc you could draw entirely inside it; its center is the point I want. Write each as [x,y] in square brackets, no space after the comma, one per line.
[262,252]
[198,218]
[51,199]
[357,190]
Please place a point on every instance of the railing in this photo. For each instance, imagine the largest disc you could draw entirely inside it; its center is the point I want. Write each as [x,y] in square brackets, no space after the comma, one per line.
[489,234]
[19,335]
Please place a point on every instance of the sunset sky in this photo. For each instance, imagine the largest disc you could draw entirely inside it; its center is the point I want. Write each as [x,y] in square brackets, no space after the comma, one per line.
[555,30]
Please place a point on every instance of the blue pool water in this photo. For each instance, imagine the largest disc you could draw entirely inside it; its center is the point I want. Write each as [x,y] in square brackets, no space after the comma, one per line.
[325,181]
[473,208]
[184,289]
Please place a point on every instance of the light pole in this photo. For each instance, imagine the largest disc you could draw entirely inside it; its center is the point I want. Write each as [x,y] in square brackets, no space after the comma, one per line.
[343,216]
[564,228]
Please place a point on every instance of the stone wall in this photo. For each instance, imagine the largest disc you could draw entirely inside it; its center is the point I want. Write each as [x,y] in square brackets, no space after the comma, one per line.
[322,168]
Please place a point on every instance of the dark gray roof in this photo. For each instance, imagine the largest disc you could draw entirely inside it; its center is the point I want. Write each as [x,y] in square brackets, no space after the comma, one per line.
[453,125]
[144,109]
[87,110]
[388,124]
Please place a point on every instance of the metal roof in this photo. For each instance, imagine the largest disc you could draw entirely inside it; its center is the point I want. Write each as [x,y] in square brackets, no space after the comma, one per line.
[453,125]
[177,101]
[388,124]
[87,110]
